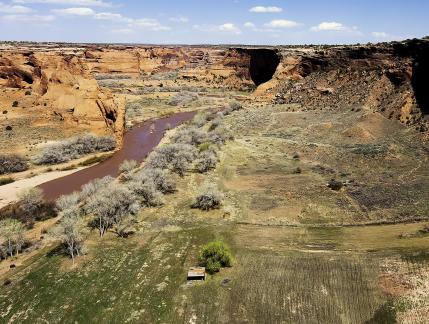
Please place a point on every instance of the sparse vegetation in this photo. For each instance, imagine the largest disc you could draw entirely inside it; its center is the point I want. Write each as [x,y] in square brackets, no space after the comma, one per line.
[183,98]
[207,160]
[127,166]
[209,197]
[148,193]
[12,163]
[176,157]
[74,148]
[94,159]
[5,181]
[15,104]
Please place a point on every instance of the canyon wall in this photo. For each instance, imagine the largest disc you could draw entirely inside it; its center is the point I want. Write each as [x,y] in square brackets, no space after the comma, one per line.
[60,80]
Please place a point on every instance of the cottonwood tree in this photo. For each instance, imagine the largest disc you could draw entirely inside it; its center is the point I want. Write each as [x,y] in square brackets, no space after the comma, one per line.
[30,200]
[110,205]
[70,231]
[12,235]
[69,201]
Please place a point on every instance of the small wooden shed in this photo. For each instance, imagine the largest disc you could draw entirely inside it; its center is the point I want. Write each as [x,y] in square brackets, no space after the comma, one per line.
[198,273]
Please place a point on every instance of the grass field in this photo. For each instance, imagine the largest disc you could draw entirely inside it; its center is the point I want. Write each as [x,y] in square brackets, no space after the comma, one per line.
[276,278]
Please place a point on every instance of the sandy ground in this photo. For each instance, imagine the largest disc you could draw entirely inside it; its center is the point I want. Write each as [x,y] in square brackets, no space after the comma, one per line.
[9,192]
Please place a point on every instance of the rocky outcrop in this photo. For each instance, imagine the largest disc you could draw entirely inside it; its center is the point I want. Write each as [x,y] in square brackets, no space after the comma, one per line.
[388,78]
[58,83]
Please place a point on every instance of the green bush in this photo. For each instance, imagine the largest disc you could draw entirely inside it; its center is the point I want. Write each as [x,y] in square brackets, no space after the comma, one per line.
[204,146]
[214,256]
[5,181]
[15,104]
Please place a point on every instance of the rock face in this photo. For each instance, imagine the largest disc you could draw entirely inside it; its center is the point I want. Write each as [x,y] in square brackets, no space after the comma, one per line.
[61,79]
[389,78]
[57,83]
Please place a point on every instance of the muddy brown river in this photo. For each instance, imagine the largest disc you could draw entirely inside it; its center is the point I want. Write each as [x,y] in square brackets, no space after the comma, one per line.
[138,142]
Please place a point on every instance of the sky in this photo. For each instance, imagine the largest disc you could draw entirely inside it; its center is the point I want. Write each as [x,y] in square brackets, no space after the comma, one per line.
[262,22]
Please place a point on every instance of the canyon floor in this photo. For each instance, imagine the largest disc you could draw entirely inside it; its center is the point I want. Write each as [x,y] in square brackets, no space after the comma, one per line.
[304,253]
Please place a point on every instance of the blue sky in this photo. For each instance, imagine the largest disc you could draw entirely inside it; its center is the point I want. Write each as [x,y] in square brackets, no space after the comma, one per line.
[213,22]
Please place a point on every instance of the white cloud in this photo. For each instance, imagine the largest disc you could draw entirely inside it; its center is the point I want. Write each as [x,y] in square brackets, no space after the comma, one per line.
[111,16]
[224,28]
[282,23]
[88,3]
[27,18]
[329,26]
[262,9]
[249,25]
[142,23]
[4,8]
[334,26]
[74,11]
[149,24]
[229,27]
[180,19]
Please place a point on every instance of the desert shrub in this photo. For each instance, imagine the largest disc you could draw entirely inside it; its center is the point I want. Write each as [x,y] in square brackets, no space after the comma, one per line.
[190,136]
[200,119]
[74,148]
[27,93]
[12,163]
[157,160]
[215,123]
[159,178]
[214,256]
[4,112]
[206,161]
[5,181]
[335,185]
[147,192]
[208,198]
[182,161]
[183,98]
[220,135]
[234,106]
[371,150]
[127,166]
[176,157]
[15,104]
